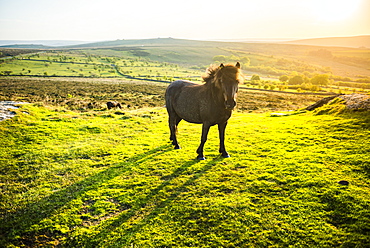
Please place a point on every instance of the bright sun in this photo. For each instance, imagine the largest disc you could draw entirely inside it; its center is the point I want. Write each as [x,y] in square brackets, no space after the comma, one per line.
[334,10]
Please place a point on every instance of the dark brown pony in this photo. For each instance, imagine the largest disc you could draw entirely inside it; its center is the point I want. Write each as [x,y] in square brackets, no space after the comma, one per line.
[113,105]
[209,104]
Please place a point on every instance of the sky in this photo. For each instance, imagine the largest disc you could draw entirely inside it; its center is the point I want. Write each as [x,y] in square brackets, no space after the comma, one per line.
[97,20]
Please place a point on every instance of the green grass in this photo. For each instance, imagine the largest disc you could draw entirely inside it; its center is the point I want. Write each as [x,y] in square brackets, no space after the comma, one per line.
[74,174]
[49,65]
[167,63]
[96,64]
[267,59]
[111,179]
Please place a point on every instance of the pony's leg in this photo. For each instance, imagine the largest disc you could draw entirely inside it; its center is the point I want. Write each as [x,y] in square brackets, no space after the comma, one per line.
[205,130]
[173,121]
[221,131]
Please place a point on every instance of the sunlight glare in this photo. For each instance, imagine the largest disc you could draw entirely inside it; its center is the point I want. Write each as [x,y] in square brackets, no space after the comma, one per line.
[334,10]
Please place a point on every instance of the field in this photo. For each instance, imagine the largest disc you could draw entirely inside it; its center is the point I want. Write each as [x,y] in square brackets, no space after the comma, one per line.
[83,94]
[165,60]
[111,179]
[75,174]
[83,65]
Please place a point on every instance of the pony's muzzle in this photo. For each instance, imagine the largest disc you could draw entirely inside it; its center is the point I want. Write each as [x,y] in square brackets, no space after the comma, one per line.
[230,105]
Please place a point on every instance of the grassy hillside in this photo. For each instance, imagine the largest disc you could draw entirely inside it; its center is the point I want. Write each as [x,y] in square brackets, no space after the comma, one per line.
[97,63]
[353,41]
[268,59]
[148,42]
[162,49]
[111,179]
[169,63]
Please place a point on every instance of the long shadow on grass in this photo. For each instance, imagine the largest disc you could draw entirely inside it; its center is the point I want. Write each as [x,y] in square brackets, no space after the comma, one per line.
[17,223]
[149,207]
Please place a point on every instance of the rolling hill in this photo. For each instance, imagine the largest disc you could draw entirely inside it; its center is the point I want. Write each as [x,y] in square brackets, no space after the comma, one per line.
[344,61]
[355,41]
[26,46]
[49,43]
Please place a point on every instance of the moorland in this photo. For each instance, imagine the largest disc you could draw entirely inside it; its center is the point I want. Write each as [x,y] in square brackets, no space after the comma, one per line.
[75,174]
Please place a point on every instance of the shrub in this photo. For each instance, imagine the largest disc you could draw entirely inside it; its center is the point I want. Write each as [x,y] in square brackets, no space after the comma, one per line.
[255,77]
[296,80]
[283,78]
[320,79]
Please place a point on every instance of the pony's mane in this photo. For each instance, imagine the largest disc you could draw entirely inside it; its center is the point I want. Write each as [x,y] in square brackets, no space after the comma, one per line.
[214,72]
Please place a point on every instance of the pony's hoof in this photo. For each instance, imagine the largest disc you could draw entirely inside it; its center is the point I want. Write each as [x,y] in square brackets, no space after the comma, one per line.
[201,158]
[225,155]
[177,147]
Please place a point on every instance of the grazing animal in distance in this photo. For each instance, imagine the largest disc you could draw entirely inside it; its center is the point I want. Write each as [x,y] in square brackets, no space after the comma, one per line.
[208,104]
[111,105]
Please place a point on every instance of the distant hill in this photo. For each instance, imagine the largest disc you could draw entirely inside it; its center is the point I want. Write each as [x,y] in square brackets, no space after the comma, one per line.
[26,46]
[144,42]
[354,41]
[52,43]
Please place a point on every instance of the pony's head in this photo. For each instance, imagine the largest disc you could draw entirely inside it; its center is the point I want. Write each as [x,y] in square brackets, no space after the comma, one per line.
[226,78]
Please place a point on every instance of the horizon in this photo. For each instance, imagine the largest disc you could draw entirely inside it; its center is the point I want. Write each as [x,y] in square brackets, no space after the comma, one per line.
[96,20]
[56,43]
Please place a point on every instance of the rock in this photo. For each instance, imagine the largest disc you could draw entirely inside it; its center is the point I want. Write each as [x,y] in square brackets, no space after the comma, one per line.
[278,114]
[5,113]
[343,182]
[357,101]
[321,103]
[351,101]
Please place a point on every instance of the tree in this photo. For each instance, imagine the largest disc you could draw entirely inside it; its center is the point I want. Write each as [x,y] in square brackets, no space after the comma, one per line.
[283,78]
[245,61]
[296,80]
[320,79]
[220,58]
[315,88]
[255,77]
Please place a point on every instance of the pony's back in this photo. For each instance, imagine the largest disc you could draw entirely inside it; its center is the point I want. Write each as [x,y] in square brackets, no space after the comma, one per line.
[184,99]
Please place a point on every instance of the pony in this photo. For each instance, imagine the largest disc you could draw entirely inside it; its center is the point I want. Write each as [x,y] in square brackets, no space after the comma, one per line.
[208,104]
[111,105]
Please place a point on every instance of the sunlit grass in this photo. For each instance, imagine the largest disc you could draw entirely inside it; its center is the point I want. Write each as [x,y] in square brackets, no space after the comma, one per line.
[111,179]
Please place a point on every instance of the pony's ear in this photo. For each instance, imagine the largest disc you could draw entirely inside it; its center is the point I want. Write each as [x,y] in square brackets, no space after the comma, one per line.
[222,65]
[237,65]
